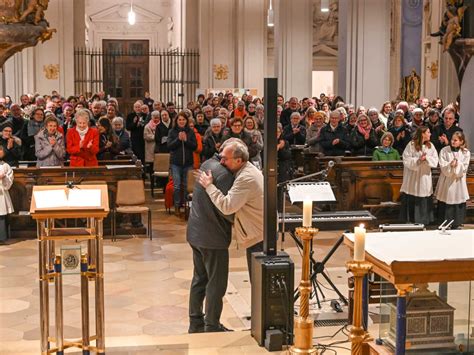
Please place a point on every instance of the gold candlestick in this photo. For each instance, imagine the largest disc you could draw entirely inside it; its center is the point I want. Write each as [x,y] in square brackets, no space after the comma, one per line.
[303,328]
[358,335]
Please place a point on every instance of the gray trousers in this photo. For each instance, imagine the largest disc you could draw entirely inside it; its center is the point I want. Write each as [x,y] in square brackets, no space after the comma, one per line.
[211,271]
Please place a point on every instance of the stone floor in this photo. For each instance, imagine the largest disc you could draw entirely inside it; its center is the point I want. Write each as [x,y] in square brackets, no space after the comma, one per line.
[146,295]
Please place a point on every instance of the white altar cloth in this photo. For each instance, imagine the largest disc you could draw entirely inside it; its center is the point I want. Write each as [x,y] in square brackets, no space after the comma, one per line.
[419,246]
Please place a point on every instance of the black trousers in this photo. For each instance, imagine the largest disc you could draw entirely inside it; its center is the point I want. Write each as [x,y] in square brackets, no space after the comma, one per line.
[3,228]
[253,249]
[211,271]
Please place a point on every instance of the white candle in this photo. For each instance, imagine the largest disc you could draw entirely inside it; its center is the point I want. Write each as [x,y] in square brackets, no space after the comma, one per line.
[307,213]
[359,243]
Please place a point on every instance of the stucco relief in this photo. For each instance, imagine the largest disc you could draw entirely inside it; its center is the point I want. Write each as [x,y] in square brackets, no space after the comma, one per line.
[325,28]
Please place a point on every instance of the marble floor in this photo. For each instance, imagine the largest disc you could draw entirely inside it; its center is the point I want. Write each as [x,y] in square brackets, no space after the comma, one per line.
[146,295]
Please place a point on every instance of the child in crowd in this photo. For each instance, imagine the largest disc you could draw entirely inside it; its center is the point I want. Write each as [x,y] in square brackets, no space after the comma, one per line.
[419,157]
[451,190]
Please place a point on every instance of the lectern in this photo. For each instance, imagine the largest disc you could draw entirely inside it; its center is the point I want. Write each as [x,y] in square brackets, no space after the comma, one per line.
[89,202]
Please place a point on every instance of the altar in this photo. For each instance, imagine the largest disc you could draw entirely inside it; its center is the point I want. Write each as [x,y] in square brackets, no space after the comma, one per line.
[414,261]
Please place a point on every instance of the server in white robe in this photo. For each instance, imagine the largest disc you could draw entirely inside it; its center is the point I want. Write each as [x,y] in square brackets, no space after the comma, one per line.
[451,190]
[6,206]
[419,157]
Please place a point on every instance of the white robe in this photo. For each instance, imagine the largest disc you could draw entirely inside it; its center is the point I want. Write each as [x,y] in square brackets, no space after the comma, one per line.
[417,179]
[452,185]
[6,206]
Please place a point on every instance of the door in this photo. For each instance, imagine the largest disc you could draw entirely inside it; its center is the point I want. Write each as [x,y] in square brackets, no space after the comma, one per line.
[126,71]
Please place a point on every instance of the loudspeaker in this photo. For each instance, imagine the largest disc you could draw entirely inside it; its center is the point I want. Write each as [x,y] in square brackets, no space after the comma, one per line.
[272,302]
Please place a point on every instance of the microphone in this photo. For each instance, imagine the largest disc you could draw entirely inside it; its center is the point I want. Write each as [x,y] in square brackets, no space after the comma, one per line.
[331,164]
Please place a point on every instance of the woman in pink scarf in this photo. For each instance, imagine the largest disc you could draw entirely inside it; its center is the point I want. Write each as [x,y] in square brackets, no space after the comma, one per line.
[363,138]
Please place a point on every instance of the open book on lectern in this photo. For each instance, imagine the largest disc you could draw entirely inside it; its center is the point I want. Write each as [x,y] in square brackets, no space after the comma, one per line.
[311,191]
[72,198]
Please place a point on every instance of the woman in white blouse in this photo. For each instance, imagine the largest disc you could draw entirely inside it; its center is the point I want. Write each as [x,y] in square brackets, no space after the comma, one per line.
[451,190]
[419,157]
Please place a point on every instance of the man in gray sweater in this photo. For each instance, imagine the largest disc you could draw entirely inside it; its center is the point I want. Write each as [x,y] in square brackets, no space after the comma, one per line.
[209,234]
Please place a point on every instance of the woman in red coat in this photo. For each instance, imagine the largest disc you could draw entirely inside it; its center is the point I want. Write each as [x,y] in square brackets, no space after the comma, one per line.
[82,141]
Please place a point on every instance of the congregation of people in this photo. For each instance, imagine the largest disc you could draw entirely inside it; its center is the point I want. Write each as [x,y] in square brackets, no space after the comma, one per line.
[223,136]
[85,129]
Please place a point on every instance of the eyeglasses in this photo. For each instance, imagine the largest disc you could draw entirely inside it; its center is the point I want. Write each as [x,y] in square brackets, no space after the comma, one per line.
[221,157]
[237,125]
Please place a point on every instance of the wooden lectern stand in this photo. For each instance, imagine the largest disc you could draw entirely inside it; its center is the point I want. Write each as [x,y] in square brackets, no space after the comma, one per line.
[45,208]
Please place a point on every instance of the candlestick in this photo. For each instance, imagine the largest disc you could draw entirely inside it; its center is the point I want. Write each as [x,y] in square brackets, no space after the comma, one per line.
[307,213]
[358,336]
[359,243]
[303,324]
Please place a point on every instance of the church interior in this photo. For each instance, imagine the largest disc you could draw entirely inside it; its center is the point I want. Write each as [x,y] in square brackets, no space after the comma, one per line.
[143,204]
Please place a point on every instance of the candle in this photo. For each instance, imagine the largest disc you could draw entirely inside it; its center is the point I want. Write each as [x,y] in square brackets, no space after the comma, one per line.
[359,243]
[307,213]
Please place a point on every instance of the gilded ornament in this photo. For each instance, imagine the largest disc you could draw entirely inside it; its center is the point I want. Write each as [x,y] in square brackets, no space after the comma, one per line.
[221,71]
[51,71]
[433,68]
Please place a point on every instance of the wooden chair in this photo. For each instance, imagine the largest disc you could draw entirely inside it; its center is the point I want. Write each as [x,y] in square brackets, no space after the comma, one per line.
[131,200]
[189,192]
[161,168]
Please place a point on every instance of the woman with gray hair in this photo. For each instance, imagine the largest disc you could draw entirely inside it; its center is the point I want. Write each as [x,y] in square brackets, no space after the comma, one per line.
[149,137]
[122,134]
[212,139]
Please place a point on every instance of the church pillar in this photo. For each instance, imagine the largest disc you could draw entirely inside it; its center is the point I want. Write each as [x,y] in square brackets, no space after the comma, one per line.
[412,16]
[190,28]
[293,47]
[79,11]
[232,37]
[467,104]
[342,49]
[367,58]
[217,43]
[251,44]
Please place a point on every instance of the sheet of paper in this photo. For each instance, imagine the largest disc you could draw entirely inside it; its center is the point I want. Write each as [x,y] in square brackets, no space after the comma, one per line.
[314,191]
[50,198]
[84,198]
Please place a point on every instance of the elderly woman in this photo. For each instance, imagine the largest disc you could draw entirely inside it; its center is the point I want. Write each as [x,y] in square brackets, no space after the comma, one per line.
[314,125]
[212,139]
[123,136]
[30,130]
[385,151]
[377,124]
[251,127]
[6,206]
[295,132]
[259,116]
[149,136]
[363,138]
[49,143]
[83,141]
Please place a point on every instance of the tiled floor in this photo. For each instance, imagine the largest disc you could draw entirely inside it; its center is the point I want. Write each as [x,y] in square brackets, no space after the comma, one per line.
[146,295]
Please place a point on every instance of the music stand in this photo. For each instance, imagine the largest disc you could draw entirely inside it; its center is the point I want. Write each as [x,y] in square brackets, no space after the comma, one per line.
[316,192]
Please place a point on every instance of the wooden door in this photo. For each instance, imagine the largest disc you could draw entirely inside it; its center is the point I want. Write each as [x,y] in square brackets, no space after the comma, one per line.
[126,71]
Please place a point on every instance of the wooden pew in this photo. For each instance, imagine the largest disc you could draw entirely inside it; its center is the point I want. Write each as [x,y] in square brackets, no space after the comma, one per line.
[21,224]
[314,162]
[371,184]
